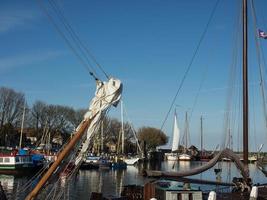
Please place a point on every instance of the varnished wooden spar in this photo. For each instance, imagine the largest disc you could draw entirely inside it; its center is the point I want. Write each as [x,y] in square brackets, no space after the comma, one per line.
[77,136]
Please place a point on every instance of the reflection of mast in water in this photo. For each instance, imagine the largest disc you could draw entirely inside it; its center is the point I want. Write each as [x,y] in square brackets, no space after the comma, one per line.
[184,165]
[100,182]
[7,183]
[119,174]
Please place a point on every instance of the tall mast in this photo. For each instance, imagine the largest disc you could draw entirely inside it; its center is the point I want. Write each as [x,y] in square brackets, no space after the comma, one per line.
[186,131]
[245,85]
[122,129]
[22,124]
[102,138]
[201,134]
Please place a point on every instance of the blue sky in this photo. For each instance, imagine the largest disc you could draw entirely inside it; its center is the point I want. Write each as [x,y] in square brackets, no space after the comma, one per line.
[146,44]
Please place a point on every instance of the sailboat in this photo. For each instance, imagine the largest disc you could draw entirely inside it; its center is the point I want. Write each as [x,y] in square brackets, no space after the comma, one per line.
[175,140]
[118,162]
[21,160]
[204,155]
[185,156]
[92,161]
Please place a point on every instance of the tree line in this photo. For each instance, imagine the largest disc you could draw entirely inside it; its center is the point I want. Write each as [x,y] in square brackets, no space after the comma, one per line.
[42,118]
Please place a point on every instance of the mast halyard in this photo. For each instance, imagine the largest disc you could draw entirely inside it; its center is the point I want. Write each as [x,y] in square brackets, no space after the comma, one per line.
[245,85]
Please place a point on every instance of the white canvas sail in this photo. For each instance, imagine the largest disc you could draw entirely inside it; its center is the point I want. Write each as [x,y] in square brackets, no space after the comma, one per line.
[176,134]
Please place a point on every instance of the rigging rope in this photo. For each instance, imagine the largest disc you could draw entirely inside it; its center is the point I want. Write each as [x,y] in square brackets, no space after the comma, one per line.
[260,64]
[191,62]
[231,85]
[87,65]
[132,128]
[75,37]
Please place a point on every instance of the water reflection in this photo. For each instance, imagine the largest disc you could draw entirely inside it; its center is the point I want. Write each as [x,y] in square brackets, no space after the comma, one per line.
[7,182]
[111,182]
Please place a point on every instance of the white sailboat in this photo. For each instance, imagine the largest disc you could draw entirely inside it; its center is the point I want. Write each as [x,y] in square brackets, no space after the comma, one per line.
[175,140]
[127,160]
[185,156]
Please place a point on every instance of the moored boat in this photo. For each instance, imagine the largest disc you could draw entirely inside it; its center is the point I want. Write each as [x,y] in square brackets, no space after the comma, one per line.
[95,162]
[172,156]
[19,161]
[131,161]
[184,157]
[118,163]
[175,141]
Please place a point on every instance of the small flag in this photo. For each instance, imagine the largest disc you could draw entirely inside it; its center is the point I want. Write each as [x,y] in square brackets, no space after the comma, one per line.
[262,34]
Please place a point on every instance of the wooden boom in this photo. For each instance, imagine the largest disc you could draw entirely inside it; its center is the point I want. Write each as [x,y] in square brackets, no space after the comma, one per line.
[77,136]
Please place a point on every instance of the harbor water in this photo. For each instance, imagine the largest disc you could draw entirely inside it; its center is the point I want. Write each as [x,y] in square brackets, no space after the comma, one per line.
[111,182]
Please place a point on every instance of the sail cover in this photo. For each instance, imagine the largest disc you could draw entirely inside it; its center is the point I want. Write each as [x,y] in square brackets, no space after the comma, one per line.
[107,94]
[176,134]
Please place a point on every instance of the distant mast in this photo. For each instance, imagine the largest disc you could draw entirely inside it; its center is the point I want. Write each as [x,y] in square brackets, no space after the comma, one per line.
[186,130]
[122,129]
[245,85]
[22,125]
[201,134]
[176,134]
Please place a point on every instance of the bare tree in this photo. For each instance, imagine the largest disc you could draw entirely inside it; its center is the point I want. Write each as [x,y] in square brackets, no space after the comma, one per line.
[53,119]
[112,128]
[11,108]
[76,116]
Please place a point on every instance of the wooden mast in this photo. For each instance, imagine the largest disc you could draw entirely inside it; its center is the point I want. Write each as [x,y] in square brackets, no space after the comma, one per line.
[84,125]
[245,85]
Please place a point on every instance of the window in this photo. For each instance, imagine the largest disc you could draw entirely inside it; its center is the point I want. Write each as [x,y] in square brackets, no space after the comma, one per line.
[1,160]
[7,160]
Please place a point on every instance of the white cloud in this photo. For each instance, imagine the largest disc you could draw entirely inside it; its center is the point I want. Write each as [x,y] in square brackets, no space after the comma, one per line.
[14,61]
[12,19]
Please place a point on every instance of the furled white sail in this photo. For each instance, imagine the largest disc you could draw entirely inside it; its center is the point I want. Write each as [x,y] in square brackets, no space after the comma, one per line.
[106,95]
[176,134]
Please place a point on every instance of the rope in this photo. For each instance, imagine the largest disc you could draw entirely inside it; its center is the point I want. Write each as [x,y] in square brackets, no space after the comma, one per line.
[74,36]
[190,63]
[132,128]
[198,92]
[261,70]
[231,85]
[30,181]
[64,37]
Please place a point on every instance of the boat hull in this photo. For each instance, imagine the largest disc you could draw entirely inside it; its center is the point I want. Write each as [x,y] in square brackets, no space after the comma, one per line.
[119,165]
[184,157]
[19,170]
[172,156]
[131,161]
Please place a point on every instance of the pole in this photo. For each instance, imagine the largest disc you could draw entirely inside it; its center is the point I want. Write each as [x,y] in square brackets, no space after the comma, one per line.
[245,85]
[22,125]
[60,157]
[122,129]
[102,138]
[186,131]
[201,134]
